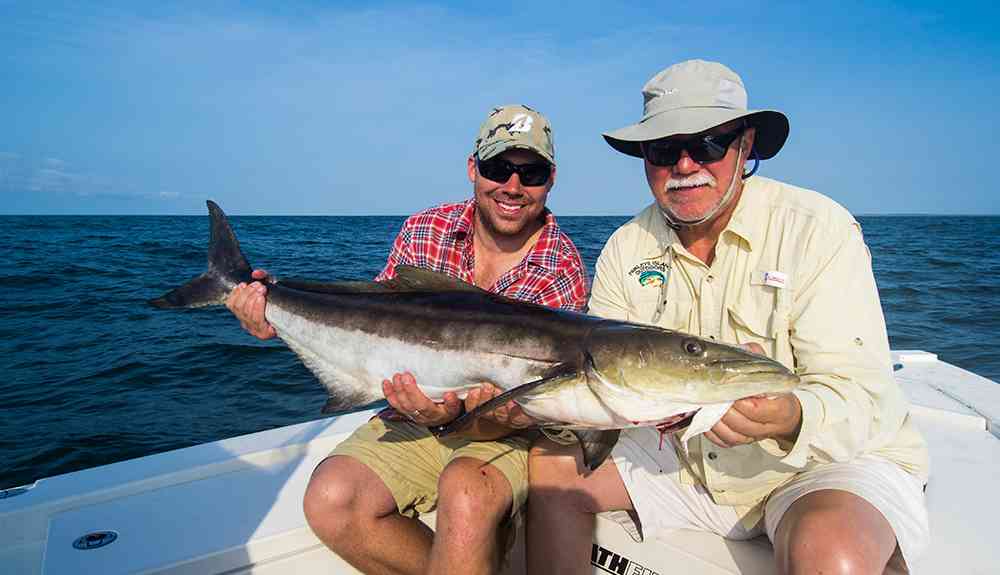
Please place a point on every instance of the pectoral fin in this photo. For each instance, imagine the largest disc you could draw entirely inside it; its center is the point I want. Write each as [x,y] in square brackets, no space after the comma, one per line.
[596,445]
[554,377]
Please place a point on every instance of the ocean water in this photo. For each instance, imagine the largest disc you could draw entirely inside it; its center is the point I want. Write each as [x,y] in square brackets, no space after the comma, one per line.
[92,375]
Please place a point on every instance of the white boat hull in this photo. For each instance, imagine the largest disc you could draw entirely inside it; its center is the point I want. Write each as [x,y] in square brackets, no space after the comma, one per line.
[234,506]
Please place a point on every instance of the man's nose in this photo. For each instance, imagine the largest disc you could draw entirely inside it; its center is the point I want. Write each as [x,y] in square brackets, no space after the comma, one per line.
[685,164]
[512,185]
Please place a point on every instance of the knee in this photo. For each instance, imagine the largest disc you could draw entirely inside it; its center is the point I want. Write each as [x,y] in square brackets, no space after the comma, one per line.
[823,541]
[552,469]
[331,502]
[470,492]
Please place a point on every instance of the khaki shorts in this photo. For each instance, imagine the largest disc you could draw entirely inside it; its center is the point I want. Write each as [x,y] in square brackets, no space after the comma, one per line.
[663,503]
[409,460]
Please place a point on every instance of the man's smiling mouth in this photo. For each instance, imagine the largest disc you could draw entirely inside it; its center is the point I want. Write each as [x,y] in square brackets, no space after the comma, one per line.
[507,207]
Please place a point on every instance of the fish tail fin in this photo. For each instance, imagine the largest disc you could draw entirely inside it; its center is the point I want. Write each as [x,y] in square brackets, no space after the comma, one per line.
[226,267]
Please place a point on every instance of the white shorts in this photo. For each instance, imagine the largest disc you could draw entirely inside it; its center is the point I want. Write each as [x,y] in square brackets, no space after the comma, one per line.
[663,504]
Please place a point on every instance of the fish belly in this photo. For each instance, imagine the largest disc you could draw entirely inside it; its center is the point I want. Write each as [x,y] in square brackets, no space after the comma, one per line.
[351,362]
[572,405]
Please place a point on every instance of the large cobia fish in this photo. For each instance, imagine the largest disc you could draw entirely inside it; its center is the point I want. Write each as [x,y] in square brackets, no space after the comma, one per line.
[569,370]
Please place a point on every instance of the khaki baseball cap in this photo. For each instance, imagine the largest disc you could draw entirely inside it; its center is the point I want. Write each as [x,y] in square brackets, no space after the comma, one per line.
[694,96]
[515,127]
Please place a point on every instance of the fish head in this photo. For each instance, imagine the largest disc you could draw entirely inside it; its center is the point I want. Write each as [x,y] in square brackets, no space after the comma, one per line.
[645,373]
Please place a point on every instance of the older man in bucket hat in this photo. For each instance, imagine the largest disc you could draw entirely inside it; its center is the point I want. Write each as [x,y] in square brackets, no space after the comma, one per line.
[832,473]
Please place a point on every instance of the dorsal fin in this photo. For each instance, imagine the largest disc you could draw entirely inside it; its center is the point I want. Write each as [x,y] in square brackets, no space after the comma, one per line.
[407,279]
[341,287]
[414,278]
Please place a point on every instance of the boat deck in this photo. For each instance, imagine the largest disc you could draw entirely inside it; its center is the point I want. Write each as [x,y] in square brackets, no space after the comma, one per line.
[234,506]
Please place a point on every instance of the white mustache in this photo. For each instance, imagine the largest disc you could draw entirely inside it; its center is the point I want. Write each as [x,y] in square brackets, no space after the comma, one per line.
[699,179]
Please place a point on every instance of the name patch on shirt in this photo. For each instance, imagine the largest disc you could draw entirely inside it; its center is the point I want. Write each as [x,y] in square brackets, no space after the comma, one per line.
[651,274]
[775,279]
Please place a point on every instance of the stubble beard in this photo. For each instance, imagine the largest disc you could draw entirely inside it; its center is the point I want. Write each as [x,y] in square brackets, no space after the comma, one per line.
[495,225]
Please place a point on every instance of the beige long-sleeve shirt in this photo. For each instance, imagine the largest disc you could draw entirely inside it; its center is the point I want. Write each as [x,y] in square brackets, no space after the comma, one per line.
[793,274]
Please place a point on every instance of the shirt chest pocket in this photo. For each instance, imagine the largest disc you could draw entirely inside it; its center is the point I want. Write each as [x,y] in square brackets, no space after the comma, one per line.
[760,315]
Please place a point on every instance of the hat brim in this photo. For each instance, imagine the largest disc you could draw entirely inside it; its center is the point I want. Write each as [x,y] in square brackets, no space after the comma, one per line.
[771,125]
[498,148]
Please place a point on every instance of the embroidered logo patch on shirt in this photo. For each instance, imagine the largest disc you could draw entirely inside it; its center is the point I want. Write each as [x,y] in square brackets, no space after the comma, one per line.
[651,274]
[652,278]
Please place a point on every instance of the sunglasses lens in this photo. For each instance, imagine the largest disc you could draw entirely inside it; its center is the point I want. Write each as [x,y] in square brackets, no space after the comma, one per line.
[496,170]
[500,170]
[704,149]
[712,148]
[662,152]
[534,174]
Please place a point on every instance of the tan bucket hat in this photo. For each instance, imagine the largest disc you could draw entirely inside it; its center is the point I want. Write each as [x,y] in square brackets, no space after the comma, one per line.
[694,96]
[515,126]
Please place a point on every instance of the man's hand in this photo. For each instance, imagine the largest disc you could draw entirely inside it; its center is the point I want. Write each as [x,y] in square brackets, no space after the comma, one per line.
[247,303]
[756,418]
[508,415]
[406,398]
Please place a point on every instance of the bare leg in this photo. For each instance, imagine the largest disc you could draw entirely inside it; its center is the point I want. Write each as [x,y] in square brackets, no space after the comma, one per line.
[834,532]
[473,499]
[352,511]
[562,508]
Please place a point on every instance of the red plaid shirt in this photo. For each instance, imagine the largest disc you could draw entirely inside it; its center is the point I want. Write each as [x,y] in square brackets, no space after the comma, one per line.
[440,239]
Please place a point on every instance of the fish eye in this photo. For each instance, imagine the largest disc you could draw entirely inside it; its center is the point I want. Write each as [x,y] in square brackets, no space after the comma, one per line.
[693,347]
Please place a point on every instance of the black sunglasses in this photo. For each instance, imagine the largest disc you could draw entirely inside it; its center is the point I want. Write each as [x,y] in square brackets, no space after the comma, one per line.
[499,170]
[703,149]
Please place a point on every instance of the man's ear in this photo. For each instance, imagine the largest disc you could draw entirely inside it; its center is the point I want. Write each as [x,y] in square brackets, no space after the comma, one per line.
[748,138]
[552,178]
[471,168]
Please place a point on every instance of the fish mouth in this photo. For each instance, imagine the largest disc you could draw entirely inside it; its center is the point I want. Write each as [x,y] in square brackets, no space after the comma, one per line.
[751,370]
[676,422]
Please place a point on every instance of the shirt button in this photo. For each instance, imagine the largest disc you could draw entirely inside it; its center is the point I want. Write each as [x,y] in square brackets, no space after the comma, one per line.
[709,278]
[711,337]
[712,455]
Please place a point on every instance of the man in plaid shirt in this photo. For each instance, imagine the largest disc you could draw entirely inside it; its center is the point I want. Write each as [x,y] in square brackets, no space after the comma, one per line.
[363,501]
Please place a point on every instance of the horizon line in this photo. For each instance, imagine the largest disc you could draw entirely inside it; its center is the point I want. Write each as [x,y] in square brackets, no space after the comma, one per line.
[400,215]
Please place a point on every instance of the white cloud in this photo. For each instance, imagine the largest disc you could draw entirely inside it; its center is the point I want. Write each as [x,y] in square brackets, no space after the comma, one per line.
[52,177]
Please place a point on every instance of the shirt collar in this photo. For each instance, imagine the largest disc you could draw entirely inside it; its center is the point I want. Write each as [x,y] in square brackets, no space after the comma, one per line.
[461,227]
[749,213]
[543,254]
[664,236]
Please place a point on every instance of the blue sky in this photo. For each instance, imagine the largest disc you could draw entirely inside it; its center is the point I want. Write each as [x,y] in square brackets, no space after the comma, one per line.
[371,108]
